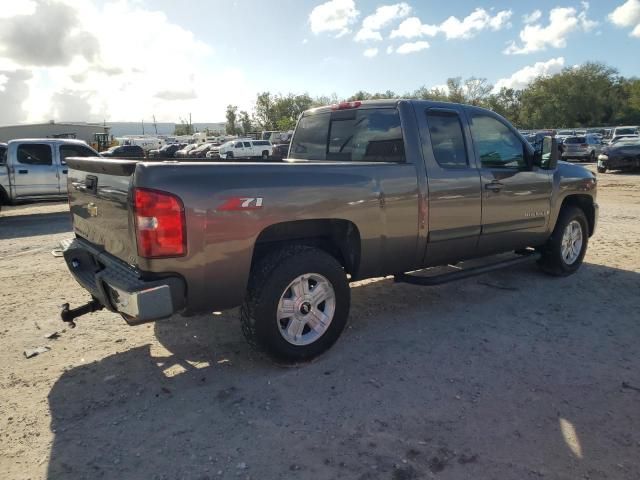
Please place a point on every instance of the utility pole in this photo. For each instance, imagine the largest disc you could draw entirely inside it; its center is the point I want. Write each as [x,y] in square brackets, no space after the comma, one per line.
[155,126]
[143,126]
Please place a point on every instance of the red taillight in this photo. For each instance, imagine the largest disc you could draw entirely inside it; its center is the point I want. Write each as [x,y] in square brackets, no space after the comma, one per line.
[160,224]
[346,105]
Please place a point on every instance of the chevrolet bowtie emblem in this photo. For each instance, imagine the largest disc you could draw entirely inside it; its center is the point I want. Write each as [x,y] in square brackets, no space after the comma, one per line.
[92,208]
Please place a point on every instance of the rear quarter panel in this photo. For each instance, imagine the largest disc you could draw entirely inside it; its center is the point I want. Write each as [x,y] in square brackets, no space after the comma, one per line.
[221,243]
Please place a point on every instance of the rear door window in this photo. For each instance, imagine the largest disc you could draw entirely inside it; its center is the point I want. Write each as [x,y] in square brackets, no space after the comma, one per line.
[447,139]
[247,144]
[35,154]
[358,135]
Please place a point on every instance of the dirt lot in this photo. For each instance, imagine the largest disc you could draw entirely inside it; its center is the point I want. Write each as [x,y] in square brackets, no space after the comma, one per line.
[513,375]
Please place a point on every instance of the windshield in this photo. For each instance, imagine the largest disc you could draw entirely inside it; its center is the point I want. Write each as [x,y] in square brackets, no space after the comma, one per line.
[566,132]
[626,131]
[356,135]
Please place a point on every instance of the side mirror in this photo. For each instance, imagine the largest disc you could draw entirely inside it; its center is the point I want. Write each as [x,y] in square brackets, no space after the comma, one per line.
[549,153]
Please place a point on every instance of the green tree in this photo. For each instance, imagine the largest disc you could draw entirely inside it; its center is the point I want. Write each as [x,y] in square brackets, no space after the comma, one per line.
[245,122]
[232,116]
[506,102]
[265,114]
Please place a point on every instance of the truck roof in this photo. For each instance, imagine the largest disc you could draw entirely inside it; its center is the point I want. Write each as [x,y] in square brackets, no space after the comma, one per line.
[386,103]
[69,141]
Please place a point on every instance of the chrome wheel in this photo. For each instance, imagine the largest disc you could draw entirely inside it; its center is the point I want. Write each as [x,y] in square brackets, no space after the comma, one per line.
[306,309]
[572,242]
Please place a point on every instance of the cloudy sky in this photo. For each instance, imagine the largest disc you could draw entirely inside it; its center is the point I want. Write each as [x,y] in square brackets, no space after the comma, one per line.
[126,60]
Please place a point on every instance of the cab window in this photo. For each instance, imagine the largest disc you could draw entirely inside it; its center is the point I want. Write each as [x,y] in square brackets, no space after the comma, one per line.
[496,145]
[247,144]
[447,139]
[35,154]
[356,135]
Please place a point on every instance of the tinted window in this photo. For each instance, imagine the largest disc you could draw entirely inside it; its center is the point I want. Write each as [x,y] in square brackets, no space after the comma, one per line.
[626,131]
[3,155]
[247,144]
[35,154]
[238,145]
[366,135]
[496,144]
[571,140]
[447,139]
[67,151]
[261,142]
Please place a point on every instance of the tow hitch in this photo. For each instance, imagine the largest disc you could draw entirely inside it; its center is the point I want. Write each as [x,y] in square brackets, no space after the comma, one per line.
[69,314]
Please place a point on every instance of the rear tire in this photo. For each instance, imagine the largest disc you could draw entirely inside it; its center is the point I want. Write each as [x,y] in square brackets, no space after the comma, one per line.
[602,169]
[592,157]
[229,156]
[564,252]
[265,156]
[271,296]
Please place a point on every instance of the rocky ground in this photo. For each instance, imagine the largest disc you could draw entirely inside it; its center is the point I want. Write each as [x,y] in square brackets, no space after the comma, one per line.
[512,375]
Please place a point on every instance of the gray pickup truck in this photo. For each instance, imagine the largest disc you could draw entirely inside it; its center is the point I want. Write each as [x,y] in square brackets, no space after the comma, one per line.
[36,169]
[369,189]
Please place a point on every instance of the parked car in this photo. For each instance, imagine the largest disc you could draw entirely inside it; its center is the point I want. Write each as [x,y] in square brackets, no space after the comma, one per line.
[280,151]
[245,148]
[585,147]
[184,152]
[200,151]
[623,155]
[398,185]
[34,169]
[624,131]
[124,151]
[168,151]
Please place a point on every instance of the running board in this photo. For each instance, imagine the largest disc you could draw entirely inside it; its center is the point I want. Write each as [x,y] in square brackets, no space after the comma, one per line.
[462,274]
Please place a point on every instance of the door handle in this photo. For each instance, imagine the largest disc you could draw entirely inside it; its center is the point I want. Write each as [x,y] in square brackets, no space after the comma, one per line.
[493,186]
[23,171]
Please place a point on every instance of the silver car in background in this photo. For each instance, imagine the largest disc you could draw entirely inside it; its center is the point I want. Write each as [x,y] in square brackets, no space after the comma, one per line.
[583,147]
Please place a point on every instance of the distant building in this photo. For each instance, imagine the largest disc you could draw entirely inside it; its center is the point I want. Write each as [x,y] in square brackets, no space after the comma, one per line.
[81,131]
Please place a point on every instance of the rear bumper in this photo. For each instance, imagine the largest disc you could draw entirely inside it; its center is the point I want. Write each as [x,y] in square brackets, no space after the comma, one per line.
[120,288]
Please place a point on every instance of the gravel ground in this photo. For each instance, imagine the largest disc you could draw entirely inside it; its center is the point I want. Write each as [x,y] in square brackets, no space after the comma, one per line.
[512,375]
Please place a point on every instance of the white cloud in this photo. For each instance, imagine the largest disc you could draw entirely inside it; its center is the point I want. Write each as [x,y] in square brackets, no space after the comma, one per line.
[17,7]
[562,22]
[532,17]
[370,52]
[94,71]
[526,75]
[627,15]
[453,27]
[389,50]
[334,16]
[411,47]
[382,17]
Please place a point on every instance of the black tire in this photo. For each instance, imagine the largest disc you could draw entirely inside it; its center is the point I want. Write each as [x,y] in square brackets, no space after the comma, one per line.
[552,261]
[270,278]
[265,156]
[592,157]
[602,169]
[229,156]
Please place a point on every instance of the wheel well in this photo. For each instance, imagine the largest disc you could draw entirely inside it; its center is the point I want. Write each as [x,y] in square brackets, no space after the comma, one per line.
[585,203]
[4,198]
[339,238]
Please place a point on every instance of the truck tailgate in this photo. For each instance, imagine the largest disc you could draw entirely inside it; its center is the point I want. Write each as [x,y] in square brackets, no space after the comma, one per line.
[99,203]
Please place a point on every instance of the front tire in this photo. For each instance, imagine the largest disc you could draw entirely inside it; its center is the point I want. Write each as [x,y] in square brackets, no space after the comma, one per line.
[602,169]
[565,250]
[265,156]
[229,156]
[592,157]
[297,304]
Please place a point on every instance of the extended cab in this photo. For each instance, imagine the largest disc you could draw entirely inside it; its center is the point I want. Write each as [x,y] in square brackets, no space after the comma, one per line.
[370,189]
[34,169]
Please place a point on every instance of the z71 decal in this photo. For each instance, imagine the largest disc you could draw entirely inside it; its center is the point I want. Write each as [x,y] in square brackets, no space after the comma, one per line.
[241,203]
